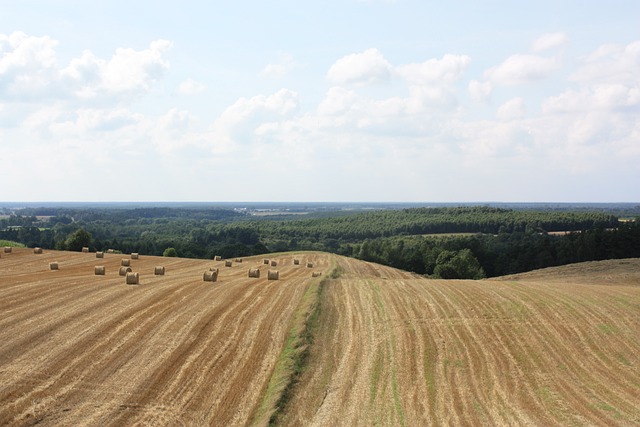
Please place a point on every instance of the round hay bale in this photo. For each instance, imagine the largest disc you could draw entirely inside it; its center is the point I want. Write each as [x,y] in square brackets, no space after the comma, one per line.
[125,262]
[296,262]
[133,278]
[85,249]
[238,259]
[273,275]
[134,255]
[254,272]
[159,271]
[309,265]
[124,270]
[53,265]
[228,263]
[37,250]
[7,249]
[99,270]
[210,276]
[111,251]
[99,254]
[316,274]
[266,262]
[217,258]
[274,263]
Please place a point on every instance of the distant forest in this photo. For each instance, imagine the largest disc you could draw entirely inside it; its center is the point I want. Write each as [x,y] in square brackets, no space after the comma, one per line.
[443,242]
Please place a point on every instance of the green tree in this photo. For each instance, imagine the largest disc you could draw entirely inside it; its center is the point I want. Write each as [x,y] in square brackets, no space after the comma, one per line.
[458,265]
[77,240]
[170,252]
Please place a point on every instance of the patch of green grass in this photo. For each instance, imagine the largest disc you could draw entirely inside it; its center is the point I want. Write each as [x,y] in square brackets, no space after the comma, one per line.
[606,329]
[293,357]
[11,244]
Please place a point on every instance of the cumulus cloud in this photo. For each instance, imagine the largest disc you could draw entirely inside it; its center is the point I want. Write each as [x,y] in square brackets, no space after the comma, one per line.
[282,67]
[521,69]
[191,87]
[238,123]
[438,71]
[480,91]
[29,70]
[512,109]
[611,63]
[549,41]
[364,68]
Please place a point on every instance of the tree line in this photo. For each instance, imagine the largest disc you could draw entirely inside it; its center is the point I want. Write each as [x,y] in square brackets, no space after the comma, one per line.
[496,241]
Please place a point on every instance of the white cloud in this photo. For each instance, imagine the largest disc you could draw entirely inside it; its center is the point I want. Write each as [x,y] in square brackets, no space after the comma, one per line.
[435,71]
[521,69]
[512,109]
[238,123]
[285,64]
[29,70]
[480,91]
[611,63]
[191,87]
[549,41]
[364,68]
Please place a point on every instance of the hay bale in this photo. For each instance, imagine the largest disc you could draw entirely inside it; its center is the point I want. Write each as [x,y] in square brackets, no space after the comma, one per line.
[133,278]
[265,262]
[210,276]
[217,258]
[111,251]
[100,254]
[85,249]
[228,263]
[53,265]
[125,262]
[238,259]
[273,275]
[274,263]
[296,262]
[134,255]
[158,271]
[316,274]
[217,270]
[7,249]
[37,250]
[99,270]
[309,265]
[254,272]
[124,270]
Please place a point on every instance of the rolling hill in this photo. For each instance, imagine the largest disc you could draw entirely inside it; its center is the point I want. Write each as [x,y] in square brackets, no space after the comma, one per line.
[362,344]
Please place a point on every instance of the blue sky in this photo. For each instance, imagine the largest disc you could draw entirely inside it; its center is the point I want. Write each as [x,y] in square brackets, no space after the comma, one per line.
[338,100]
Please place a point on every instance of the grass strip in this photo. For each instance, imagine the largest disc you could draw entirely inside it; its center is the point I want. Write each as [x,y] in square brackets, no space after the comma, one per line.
[293,358]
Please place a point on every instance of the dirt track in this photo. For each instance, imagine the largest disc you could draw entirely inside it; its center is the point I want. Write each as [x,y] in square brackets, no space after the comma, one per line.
[548,348]
[81,349]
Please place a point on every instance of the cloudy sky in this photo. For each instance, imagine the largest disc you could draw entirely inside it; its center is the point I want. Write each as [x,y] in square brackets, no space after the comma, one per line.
[334,100]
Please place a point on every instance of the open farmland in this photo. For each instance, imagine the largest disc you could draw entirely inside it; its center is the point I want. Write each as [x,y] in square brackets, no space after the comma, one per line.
[553,347]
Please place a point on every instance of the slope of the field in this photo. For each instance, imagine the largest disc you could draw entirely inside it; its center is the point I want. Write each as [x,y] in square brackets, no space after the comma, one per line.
[81,349]
[555,348]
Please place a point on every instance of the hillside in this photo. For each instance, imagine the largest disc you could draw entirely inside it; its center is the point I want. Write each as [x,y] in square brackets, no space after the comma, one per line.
[389,347]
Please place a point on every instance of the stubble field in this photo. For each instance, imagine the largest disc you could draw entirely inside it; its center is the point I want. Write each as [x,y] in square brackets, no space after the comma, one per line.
[553,347]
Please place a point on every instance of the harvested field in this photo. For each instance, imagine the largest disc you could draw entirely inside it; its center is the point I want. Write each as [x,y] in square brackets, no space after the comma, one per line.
[553,347]
[80,349]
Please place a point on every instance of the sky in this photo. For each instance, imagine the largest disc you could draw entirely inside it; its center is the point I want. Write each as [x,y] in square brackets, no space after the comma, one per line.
[332,101]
